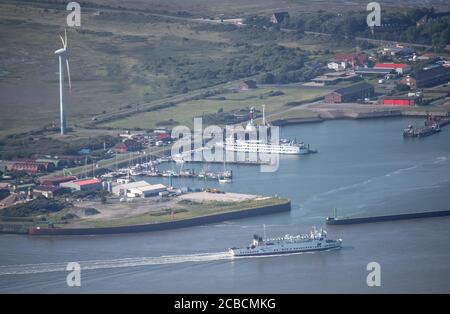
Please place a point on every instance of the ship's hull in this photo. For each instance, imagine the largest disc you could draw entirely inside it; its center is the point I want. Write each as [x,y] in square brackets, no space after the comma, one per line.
[267,150]
[261,251]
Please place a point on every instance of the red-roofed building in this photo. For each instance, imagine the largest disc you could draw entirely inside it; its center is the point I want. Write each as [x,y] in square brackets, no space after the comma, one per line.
[28,167]
[83,184]
[399,100]
[132,145]
[128,145]
[163,137]
[354,59]
[56,180]
[400,68]
[121,148]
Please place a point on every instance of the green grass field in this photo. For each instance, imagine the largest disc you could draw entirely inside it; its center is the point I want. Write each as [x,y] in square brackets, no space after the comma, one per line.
[115,60]
[119,59]
[184,113]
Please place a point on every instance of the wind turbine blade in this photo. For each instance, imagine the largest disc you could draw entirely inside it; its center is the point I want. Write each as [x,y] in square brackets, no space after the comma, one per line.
[65,38]
[62,40]
[68,73]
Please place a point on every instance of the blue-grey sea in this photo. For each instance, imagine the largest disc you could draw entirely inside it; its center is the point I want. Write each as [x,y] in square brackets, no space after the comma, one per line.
[364,167]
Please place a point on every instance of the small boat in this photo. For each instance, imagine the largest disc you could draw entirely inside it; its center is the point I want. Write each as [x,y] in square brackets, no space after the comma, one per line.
[170,173]
[225,180]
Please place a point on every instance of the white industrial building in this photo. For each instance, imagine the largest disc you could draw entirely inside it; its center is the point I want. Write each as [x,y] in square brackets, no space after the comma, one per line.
[147,191]
[138,189]
[337,66]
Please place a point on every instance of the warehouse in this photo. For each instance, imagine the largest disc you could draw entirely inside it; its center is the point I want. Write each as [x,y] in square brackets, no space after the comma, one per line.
[399,100]
[400,68]
[83,184]
[371,72]
[427,78]
[55,180]
[351,93]
[146,191]
[138,189]
[121,189]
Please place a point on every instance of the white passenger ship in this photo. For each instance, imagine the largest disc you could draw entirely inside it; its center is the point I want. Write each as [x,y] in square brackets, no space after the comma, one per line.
[315,241]
[258,146]
[284,146]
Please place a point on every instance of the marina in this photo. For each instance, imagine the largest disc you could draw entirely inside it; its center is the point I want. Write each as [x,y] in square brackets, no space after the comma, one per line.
[244,151]
[151,169]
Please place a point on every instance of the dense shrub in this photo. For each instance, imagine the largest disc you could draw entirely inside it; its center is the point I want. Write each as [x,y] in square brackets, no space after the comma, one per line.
[38,206]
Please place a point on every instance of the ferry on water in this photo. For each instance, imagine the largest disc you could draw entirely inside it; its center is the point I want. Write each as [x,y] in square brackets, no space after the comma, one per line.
[284,146]
[258,146]
[316,240]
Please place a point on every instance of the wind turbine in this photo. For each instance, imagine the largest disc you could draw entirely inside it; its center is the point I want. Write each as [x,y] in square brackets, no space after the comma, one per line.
[63,53]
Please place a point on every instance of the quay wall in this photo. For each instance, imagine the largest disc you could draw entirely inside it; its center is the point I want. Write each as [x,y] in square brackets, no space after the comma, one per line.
[14,228]
[371,219]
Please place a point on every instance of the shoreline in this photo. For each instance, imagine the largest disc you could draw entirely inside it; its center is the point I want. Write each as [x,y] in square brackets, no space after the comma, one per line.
[385,218]
[176,224]
[351,115]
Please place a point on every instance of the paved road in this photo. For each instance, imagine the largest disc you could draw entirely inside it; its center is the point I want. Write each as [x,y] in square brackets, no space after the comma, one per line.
[374,41]
[177,99]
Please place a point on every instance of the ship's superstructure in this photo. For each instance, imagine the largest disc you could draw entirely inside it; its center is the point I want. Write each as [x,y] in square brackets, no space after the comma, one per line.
[316,240]
[266,145]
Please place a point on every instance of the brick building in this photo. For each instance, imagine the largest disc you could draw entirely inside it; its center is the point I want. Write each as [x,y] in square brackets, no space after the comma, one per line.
[351,93]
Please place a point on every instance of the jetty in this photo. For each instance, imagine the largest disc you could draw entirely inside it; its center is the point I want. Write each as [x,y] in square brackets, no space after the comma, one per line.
[371,219]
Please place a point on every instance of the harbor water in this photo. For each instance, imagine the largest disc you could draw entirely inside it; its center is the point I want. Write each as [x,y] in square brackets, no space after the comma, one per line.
[364,167]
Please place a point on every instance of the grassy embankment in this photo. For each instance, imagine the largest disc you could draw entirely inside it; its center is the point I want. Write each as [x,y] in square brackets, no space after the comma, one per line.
[187,210]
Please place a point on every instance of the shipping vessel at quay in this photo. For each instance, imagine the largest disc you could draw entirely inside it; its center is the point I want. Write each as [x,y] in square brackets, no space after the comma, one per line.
[258,146]
[411,131]
[432,125]
[267,145]
[316,240]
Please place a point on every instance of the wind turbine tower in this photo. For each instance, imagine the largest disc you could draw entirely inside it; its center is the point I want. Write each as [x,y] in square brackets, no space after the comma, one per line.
[62,53]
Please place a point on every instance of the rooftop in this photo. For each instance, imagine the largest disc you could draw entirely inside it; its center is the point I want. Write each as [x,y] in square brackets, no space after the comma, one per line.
[86,181]
[57,179]
[151,187]
[46,188]
[133,185]
[354,88]
[391,65]
[431,73]
[374,71]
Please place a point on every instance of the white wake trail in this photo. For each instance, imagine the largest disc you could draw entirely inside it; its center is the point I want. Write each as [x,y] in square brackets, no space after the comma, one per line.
[113,263]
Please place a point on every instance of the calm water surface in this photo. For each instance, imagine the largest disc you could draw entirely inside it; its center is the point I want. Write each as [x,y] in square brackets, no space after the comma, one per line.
[362,168]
